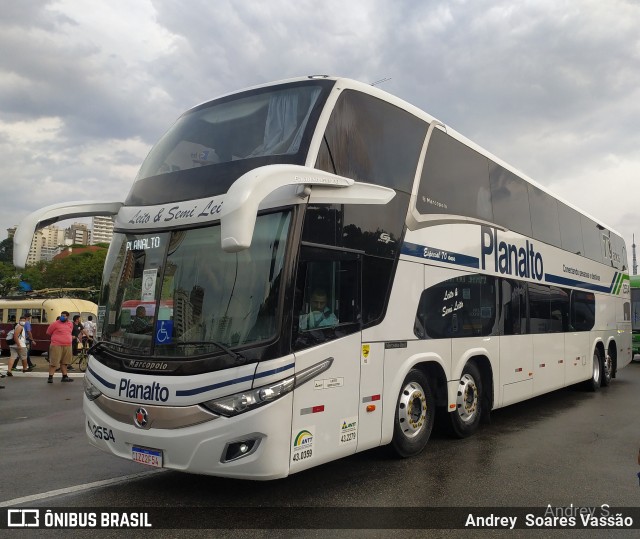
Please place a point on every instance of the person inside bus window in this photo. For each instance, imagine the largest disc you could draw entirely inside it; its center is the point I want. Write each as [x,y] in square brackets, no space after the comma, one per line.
[320,316]
[139,323]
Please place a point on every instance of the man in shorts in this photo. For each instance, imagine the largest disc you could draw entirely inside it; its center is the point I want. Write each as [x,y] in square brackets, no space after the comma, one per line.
[60,349]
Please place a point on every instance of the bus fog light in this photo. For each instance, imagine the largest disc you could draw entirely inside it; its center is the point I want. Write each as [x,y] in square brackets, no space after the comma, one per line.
[238,450]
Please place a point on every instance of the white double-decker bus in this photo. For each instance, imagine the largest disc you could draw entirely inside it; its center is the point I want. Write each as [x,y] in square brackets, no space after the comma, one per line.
[311,268]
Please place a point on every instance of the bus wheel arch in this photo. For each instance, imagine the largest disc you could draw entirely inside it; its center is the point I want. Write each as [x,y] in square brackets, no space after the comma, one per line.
[473,397]
[414,414]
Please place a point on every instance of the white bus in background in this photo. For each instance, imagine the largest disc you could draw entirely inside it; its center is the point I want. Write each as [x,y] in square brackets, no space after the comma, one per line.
[440,278]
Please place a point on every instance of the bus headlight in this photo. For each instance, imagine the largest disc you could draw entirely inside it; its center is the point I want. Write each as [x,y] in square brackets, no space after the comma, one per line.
[91,391]
[245,401]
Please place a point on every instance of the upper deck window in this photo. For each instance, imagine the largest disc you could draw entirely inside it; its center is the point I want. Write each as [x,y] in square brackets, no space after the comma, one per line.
[455,180]
[372,141]
[212,145]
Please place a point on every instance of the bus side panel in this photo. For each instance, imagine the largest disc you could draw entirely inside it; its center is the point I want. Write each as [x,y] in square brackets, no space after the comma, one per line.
[577,357]
[548,364]
[325,410]
[371,389]
[516,369]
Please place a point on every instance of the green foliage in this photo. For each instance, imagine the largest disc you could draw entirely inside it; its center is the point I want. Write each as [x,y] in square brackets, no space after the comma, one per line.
[6,251]
[9,278]
[80,270]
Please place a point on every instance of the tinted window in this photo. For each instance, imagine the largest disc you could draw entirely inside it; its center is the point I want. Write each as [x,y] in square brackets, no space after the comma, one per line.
[376,230]
[548,309]
[559,300]
[570,229]
[510,197]
[372,141]
[539,308]
[592,238]
[376,280]
[514,298]
[461,307]
[455,180]
[583,309]
[212,145]
[544,216]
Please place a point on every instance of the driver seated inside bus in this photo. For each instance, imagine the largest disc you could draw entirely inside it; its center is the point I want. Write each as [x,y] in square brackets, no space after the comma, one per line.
[320,316]
[139,323]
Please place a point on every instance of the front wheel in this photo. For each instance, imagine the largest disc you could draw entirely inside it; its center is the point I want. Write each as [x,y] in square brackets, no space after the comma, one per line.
[82,364]
[465,419]
[414,415]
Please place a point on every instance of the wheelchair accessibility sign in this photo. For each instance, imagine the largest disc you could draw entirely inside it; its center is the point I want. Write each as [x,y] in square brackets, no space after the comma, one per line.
[164,332]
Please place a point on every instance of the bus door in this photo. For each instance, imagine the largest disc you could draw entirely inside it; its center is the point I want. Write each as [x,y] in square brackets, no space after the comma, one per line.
[326,325]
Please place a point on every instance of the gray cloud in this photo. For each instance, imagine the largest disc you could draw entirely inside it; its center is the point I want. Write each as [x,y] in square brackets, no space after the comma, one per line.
[549,86]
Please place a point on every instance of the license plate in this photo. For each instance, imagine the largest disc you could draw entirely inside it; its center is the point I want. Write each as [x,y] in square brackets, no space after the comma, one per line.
[145,455]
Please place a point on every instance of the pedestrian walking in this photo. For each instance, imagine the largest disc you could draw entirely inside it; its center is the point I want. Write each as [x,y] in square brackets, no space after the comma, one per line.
[60,349]
[19,346]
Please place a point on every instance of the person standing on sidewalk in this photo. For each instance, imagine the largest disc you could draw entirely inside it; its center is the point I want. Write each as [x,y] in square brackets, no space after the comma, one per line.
[60,348]
[29,339]
[19,346]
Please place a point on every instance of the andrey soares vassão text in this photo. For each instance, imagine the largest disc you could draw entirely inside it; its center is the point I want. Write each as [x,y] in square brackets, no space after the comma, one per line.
[555,517]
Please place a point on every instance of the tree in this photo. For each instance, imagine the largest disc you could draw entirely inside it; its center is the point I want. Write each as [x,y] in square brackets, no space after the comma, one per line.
[6,251]
[9,279]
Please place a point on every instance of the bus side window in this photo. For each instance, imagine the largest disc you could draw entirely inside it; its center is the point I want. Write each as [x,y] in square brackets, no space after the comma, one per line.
[514,307]
[327,297]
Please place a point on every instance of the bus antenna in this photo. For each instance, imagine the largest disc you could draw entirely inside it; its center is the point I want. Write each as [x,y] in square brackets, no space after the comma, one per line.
[380,81]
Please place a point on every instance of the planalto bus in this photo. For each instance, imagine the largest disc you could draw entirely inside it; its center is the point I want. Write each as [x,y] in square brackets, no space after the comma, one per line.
[43,311]
[635,313]
[320,267]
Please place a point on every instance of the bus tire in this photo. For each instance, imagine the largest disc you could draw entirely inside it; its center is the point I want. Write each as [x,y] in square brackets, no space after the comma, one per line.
[465,419]
[413,420]
[607,370]
[593,384]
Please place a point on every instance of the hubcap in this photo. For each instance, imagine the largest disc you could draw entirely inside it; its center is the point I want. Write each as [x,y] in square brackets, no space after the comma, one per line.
[596,368]
[467,400]
[412,409]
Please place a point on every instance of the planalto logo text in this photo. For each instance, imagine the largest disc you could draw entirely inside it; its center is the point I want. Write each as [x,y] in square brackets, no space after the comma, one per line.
[510,259]
[147,392]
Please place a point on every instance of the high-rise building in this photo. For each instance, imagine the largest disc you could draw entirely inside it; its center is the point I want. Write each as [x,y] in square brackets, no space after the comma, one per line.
[46,243]
[79,234]
[102,229]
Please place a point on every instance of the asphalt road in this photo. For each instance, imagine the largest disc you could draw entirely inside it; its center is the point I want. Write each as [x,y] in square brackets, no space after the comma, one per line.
[567,447]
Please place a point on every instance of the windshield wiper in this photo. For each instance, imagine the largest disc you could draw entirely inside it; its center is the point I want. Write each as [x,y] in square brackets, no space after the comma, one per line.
[237,356]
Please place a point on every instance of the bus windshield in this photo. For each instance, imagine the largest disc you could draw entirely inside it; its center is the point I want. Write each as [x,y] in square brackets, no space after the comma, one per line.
[179,294]
[265,123]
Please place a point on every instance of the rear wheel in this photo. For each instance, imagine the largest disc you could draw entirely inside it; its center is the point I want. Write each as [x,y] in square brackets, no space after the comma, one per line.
[414,415]
[465,420]
[596,373]
[607,370]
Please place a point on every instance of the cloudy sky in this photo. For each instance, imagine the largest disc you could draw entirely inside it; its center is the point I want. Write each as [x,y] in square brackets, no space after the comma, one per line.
[550,86]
